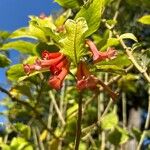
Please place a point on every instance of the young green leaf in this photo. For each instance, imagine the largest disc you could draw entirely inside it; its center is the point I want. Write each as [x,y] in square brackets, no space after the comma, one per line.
[72,44]
[29,32]
[23,129]
[4,61]
[63,17]
[110,69]
[109,121]
[145,19]
[118,136]
[19,143]
[129,36]
[121,61]
[92,13]
[21,46]
[69,3]
[110,42]
[4,35]
[15,72]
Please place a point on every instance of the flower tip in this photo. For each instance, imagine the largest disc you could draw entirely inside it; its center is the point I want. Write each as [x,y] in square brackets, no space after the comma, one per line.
[55,83]
[112,53]
[27,69]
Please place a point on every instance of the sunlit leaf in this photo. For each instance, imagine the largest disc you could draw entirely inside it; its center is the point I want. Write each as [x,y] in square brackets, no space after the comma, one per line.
[23,129]
[73,43]
[120,61]
[137,133]
[118,136]
[4,61]
[110,42]
[69,3]
[92,13]
[15,72]
[109,121]
[110,69]
[62,18]
[21,46]
[20,143]
[71,112]
[4,35]
[29,32]
[145,19]
[43,135]
[46,22]
[129,36]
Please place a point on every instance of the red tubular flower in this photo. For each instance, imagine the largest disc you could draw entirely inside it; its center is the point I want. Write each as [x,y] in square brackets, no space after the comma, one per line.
[57,63]
[85,80]
[49,59]
[60,72]
[47,55]
[99,56]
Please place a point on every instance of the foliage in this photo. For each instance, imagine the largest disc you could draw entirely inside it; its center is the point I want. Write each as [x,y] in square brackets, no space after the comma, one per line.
[91,63]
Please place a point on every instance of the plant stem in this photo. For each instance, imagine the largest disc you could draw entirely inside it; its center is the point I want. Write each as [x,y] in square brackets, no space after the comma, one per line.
[57,109]
[124,115]
[147,122]
[131,57]
[78,128]
[26,104]
[92,127]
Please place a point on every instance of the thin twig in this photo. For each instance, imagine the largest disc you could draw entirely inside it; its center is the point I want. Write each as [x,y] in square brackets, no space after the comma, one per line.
[147,123]
[24,103]
[92,127]
[124,113]
[78,128]
[57,109]
[107,88]
[131,57]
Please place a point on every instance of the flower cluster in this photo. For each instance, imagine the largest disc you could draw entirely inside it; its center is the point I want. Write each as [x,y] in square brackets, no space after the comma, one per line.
[59,65]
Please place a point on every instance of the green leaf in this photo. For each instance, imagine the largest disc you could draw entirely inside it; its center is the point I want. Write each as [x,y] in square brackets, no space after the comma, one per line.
[137,133]
[129,36]
[46,22]
[63,17]
[92,13]
[21,46]
[109,121]
[23,129]
[15,72]
[110,69]
[24,89]
[110,42]
[120,61]
[118,136]
[111,22]
[20,144]
[21,78]
[4,146]
[71,112]
[4,61]
[145,19]
[30,32]
[50,33]
[44,46]
[4,35]
[69,3]
[72,44]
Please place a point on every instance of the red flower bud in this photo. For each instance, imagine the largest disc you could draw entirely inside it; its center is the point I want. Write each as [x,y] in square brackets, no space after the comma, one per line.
[57,80]
[99,56]
[85,80]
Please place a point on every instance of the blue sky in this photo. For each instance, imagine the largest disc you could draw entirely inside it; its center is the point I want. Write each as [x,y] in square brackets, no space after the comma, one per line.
[13,15]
